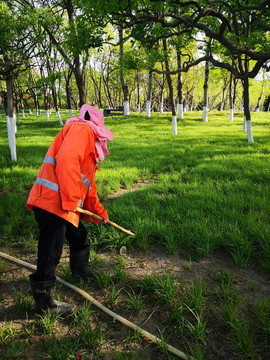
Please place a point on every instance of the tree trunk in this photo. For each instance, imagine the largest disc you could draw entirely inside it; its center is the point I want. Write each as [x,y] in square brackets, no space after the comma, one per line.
[138,107]
[80,81]
[231,98]
[21,100]
[223,98]
[107,88]
[46,104]
[149,92]
[162,84]
[46,100]
[206,84]
[121,71]
[34,92]
[68,91]
[27,105]
[97,88]
[77,70]
[17,108]
[11,119]
[22,106]
[257,109]
[170,85]
[54,95]
[247,116]
[59,95]
[179,88]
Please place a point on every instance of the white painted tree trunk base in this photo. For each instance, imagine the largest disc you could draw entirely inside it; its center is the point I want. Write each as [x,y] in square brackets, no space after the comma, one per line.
[30,111]
[59,118]
[231,115]
[244,124]
[180,111]
[148,108]
[47,114]
[11,124]
[70,112]
[205,116]
[249,131]
[37,112]
[8,129]
[138,110]
[126,108]
[18,118]
[14,123]
[23,114]
[174,125]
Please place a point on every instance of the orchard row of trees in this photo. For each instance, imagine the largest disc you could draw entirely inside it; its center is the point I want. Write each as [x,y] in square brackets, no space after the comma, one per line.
[54,87]
[144,54]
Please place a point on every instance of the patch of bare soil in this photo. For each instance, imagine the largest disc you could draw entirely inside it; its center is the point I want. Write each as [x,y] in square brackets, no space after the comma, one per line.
[134,187]
[252,287]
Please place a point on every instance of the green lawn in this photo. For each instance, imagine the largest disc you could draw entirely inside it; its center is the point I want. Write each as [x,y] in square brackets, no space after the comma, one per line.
[208,187]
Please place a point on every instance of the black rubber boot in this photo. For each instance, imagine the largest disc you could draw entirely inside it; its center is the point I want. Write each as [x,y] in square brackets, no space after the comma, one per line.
[43,292]
[79,266]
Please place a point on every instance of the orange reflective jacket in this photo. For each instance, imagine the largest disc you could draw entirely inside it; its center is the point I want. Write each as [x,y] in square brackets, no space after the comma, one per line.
[66,177]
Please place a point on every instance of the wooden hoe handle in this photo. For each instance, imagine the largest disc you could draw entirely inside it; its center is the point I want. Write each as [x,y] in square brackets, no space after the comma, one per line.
[86,212]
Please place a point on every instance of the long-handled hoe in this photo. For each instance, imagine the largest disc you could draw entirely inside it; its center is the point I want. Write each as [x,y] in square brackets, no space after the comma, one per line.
[86,212]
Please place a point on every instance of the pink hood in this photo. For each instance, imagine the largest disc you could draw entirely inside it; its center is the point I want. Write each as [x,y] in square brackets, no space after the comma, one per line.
[97,123]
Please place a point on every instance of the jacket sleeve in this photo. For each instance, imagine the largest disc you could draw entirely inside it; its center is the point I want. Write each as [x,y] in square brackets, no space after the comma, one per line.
[77,143]
[92,204]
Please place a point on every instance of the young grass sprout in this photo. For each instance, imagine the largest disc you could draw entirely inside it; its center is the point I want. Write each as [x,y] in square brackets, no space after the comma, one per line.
[7,332]
[133,301]
[112,295]
[198,327]
[90,335]
[49,320]
[23,303]
[104,280]
[196,295]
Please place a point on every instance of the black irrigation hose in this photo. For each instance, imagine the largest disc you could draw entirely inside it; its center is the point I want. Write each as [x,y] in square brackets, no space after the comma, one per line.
[119,318]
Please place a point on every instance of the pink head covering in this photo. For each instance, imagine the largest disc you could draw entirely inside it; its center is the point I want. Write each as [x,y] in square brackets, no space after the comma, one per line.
[97,123]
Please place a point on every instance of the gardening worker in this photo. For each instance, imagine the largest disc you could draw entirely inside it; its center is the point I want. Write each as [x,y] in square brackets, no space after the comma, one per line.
[64,183]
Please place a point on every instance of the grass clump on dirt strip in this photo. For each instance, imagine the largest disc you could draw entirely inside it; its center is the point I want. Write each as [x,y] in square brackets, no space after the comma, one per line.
[196,273]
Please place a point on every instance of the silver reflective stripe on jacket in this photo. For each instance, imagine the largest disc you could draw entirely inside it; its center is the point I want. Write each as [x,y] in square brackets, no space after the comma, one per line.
[48,184]
[50,160]
[85,181]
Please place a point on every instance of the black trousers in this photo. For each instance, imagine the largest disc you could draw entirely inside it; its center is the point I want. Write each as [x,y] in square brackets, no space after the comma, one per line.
[53,232]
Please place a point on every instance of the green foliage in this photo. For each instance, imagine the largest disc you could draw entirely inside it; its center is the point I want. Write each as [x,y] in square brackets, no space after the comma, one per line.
[244,339]
[48,321]
[262,312]
[7,332]
[14,349]
[90,335]
[133,301]
[112,295]
[103,280]
[228,291]
[62,349]
[198,326]
[23,303]
[196,295]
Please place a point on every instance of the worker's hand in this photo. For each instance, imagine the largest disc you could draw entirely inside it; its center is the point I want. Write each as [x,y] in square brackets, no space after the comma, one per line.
[103,222]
